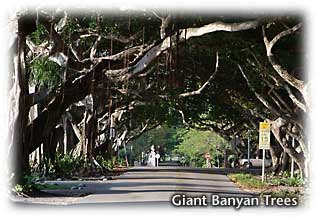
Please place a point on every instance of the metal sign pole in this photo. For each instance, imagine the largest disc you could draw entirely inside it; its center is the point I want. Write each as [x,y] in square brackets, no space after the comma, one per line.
[263,159]
[292,161]
[249,148]
[264,142]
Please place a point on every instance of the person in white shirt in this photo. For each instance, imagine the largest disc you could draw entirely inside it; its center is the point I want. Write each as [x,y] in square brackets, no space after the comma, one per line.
[152,157]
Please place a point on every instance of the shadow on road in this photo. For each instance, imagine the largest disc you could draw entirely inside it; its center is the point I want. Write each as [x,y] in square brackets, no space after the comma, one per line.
[139,186]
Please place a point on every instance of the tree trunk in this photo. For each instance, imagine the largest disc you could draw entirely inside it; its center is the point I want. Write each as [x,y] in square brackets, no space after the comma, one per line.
[275,152]
[19,109]
[284,162]
[278,128]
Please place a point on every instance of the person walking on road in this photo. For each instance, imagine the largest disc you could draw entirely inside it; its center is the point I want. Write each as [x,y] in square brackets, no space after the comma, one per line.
[152,157]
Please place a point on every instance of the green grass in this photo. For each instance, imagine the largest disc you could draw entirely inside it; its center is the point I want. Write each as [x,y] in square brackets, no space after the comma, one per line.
[282,181]
[50,186]
[251,181]
[276,186]
[38,186]
[30,184]
[283,193]
[247,180]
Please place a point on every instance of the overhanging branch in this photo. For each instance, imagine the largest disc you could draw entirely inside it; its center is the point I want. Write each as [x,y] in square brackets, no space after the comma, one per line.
[198,92]
[183,35]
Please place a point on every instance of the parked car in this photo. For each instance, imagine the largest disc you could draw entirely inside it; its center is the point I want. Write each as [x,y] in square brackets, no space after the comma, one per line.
[254,163]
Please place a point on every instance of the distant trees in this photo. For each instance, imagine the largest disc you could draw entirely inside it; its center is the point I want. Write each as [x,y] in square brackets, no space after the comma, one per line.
[195,144]
[103,79]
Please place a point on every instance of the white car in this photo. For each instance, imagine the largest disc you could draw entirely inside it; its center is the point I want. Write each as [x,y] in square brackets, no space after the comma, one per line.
[254,163]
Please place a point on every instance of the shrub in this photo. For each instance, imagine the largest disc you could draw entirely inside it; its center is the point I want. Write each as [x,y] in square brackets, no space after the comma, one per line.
[28,184]
[67,164]
[45,73]
[106,164]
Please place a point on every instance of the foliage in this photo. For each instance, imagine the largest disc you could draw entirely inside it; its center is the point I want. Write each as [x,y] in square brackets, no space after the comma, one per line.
[39,35]
[121,162]
[190,144]
[196,143]
[227,102]
[276,186]
[247,180]
[285,181]
[30,183]
[67,164]
[165,136]
[283,193]
[45,73]
[105,163]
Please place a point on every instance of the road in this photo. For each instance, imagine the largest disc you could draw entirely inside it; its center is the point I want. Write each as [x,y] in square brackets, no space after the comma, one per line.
[139,186]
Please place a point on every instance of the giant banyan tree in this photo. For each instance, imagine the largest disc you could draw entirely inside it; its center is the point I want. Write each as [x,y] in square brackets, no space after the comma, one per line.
[90,82]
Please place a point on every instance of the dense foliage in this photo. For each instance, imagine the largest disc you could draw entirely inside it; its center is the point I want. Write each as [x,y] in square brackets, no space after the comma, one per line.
[188,83]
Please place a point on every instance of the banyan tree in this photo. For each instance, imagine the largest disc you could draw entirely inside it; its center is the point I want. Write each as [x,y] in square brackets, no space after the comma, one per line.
[89,82]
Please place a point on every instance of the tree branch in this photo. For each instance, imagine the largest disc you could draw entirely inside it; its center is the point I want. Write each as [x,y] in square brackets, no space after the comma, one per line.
[183,35]
[142,131]
[298,84]
[198,92]
[259,97]
[110,36]
[295,100]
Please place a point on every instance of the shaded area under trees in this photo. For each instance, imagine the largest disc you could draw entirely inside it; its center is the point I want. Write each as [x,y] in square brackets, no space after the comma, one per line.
[102,79]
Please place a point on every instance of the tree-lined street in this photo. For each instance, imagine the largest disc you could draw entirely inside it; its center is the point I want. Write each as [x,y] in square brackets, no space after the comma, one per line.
[100,91]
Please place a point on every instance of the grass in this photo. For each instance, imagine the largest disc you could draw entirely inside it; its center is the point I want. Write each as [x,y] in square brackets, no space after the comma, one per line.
[254,182]
[30,184]
[282,181]
[283,193]
[37,186]
[275,186]
[50,186]
[247,181]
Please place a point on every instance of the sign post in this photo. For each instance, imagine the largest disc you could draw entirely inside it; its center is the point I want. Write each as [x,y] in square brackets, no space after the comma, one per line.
[292,161]
[248,148]
[208,157]
[157,158]
[264,142]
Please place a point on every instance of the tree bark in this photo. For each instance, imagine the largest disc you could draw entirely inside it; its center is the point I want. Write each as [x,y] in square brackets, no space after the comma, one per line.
[278,128]
[19,106]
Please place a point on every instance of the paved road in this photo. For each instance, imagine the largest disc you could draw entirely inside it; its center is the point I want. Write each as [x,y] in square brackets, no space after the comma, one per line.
[147,186]
[196,170]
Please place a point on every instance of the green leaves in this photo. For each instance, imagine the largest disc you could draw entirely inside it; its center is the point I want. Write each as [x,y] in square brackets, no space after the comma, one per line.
[162,135]
[247,181]
[39,35]
[45,73]
[196,143]
[67,164]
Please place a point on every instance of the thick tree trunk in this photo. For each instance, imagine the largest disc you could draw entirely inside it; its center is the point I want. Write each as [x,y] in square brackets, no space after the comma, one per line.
[48,118]
[19,110]
[110,151]
[90,130]
[275,152]
[278,128]
[284,162]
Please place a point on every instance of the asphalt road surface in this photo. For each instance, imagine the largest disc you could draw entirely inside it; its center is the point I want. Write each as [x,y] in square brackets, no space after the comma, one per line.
[139,186]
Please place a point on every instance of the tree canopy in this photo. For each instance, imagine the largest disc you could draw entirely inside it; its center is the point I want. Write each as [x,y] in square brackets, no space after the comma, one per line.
[103,78]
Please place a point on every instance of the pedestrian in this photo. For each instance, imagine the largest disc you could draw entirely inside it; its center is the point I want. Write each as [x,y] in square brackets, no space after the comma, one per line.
[152,157]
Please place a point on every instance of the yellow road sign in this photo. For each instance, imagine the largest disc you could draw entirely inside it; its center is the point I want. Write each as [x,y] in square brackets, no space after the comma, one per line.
[264,135]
